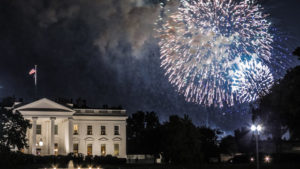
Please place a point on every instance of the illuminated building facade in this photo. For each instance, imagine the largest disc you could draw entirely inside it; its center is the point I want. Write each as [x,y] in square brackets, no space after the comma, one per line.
[62,129]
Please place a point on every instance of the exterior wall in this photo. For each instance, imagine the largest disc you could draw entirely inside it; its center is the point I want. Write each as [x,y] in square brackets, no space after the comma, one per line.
[96,139]
[45,136]
[48,114]
[82,139]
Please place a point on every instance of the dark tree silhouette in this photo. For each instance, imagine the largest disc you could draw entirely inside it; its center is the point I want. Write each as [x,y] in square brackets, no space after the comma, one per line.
[243,140]
[280,109]
[143,134]
[13,127]
[297,52]
[209,142]
[228,145]
[181,141]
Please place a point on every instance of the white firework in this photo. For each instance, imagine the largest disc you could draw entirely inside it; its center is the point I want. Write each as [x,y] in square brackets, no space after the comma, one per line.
[251,80]
[202,40]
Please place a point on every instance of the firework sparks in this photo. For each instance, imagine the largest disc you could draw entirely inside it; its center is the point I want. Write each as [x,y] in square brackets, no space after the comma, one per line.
[251,79]
[201,41]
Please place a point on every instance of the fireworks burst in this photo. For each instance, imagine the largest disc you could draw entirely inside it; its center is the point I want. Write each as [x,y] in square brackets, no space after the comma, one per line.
[251,79]
[201,41]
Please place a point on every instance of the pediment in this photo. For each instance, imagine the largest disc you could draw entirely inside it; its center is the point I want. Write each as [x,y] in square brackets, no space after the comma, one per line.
[89,139]
[44,105]
[117,139]
[103,139]
[76,139]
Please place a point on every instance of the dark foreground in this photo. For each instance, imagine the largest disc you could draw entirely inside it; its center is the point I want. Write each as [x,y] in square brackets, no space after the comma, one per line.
[206,166]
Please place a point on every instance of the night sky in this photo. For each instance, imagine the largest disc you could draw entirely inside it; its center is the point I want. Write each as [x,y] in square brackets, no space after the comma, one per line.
[104,51]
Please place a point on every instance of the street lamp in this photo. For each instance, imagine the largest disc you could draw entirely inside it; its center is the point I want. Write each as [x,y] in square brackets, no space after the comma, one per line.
[256,129]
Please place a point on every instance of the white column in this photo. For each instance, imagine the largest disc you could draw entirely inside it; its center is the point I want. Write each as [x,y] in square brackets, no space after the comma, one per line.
[69,143]
[52,125]
[33,151]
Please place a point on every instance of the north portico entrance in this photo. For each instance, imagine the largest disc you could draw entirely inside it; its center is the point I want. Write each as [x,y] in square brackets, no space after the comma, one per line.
[52,127]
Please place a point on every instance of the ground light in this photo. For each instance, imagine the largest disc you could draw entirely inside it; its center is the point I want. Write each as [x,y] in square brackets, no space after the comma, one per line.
[256,129]
[267,159]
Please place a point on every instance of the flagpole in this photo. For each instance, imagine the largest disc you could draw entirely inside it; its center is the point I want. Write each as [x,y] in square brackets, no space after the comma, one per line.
[35,80]
[35,75]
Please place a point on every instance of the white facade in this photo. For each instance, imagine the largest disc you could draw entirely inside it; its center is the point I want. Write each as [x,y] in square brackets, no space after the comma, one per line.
[58,129]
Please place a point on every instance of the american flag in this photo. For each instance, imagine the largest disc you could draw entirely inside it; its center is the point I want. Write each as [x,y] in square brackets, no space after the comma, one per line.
[32,71]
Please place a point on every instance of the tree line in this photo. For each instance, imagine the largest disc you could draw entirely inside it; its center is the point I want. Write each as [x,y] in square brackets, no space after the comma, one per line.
[279,110]
[179,141]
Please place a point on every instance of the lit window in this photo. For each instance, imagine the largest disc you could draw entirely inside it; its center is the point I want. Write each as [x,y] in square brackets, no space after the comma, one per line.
[89,149]
[103,130]
[38,129]
[103,149]
[56,129]
[75,129]
[116,149]
[75,149]
[116,131]
[55,149]
[89,130]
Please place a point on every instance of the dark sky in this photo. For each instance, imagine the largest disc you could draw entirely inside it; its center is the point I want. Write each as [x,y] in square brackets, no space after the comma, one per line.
[104,51]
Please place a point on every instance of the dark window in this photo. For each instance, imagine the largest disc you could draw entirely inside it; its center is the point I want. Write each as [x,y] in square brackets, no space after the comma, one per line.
[116,131]
[103,132]
[38,129]
[89,130]
[56,129]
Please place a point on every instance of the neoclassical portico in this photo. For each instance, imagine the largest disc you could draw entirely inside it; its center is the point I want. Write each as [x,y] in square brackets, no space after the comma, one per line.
[57,129]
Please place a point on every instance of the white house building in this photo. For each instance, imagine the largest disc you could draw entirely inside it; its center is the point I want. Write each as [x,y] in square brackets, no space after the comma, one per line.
[61,129]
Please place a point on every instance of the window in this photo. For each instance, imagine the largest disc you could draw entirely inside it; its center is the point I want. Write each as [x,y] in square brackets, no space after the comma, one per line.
[103,149]
[89,130]
[75,149]
[116,149]
[103,130]
[89,149]
[38,129]
[75,129]
[55,149]
[56,129]
[116,130]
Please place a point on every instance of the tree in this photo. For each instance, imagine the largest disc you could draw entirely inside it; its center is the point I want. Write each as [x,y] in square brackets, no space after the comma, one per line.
[143,134]
[135,128]
[297,52]
[181,141]
[13,128]
[228,145]
[244,144]
[280,109]
[152,135]
[209,142]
